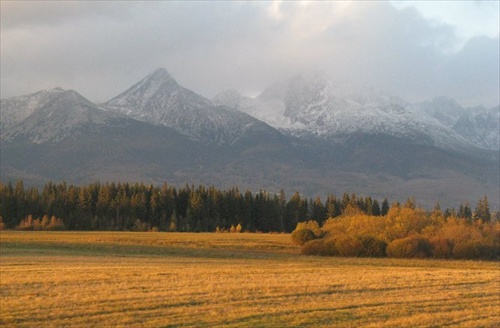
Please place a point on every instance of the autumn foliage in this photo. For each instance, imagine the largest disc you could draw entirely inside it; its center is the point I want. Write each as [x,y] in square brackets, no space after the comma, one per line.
[41,224]
[405,232]
[306,231]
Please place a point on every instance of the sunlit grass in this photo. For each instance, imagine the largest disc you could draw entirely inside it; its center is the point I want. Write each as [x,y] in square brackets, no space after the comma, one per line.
[255,280]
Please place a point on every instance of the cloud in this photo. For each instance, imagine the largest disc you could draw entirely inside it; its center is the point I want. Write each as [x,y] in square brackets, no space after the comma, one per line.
[101,48]
[469,18]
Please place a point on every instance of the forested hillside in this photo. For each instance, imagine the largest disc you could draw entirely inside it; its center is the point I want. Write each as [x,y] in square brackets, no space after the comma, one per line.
[124,206]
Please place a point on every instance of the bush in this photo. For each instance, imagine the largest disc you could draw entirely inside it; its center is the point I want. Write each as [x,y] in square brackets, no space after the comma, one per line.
[364,246]
[442,248]
[476,250]
[410,247]
[403,233]
[306,231]
[302,236]
[312,225]
[26,224]
[348,246]
[322,247]
[55,224]
[313,247]
[373,247]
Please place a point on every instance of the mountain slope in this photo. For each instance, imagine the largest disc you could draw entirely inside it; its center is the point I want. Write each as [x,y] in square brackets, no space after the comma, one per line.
[479,125]
[67,113]
[314,107]
[14,110]
[158,99]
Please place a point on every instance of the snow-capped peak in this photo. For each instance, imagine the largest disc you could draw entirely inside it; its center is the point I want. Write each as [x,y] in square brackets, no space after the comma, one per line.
[157,84]
[159,100]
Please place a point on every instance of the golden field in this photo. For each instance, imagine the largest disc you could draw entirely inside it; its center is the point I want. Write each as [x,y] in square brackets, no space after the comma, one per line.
[102,279]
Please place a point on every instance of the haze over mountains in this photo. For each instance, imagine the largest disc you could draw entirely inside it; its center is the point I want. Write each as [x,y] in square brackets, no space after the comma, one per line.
[314,106]
[305,134]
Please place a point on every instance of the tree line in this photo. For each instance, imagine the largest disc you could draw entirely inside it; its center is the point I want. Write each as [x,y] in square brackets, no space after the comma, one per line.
[137,206]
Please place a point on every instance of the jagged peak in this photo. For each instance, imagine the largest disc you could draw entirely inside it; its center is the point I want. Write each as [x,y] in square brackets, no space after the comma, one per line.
[157,81]
[161,75]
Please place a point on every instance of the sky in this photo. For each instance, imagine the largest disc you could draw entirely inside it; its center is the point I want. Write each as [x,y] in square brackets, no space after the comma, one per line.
[416,50]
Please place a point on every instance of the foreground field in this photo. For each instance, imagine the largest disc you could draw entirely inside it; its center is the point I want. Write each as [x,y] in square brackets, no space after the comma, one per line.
[256,280]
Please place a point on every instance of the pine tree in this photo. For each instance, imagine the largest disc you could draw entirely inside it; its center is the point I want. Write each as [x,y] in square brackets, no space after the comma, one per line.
[281,207]
[376,211]
[385,207]
[331,206]
[296,211]
[482,211]
[318,211]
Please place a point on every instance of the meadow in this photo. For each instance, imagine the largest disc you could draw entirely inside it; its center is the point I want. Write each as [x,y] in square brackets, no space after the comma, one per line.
[157,279]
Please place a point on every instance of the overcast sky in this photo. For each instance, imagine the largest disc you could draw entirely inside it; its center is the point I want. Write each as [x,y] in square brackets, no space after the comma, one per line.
[415,50]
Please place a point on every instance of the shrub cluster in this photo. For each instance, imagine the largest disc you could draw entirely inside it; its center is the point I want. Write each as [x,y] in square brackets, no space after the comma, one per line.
[405,232]
[45,223]
[306,231]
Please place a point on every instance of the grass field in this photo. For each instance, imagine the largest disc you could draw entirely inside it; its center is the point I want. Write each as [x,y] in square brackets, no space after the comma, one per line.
[102,279]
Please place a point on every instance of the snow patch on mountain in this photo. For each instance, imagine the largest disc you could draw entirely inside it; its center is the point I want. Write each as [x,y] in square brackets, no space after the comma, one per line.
[478,125]
[15,109]
[315,106]
[67,113]
[481,126]
[158,99]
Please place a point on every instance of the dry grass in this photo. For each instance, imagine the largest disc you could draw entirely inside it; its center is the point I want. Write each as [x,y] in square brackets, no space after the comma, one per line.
[166,280]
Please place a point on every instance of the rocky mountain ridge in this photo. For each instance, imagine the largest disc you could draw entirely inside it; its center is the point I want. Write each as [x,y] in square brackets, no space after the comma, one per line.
[305,106]
[159,100]
[14,110]
[61,114]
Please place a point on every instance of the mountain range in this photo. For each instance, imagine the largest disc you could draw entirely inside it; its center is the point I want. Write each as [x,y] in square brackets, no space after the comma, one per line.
[304,134]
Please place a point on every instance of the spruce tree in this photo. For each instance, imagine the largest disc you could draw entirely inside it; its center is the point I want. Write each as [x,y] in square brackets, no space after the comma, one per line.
[483,210]
[385,207]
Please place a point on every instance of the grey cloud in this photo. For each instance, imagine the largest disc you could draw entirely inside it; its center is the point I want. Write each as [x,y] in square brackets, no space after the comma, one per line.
[33,14]
[474,71]
[101,48]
